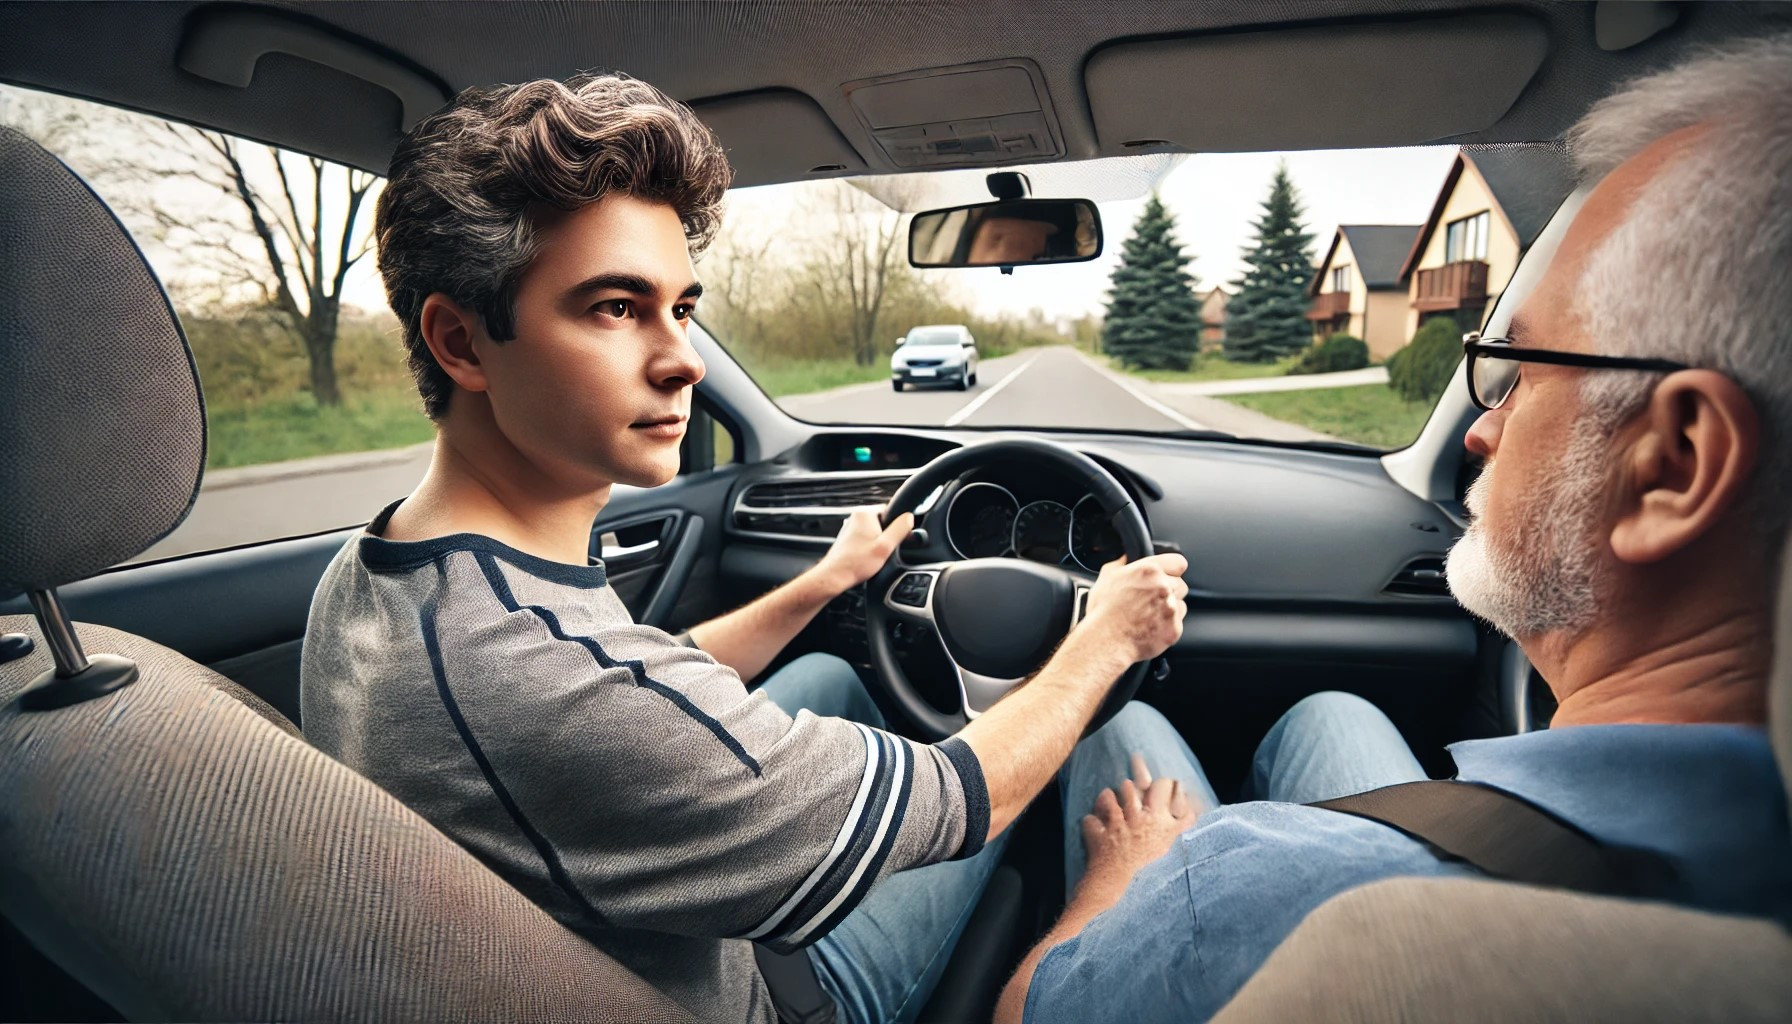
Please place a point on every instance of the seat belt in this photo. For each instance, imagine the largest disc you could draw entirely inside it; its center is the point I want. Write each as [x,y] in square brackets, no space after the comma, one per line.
[1508,837]
[796,992]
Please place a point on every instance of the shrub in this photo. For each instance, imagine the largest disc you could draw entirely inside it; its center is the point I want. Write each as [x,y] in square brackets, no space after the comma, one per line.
[1421,370]
[1336,353]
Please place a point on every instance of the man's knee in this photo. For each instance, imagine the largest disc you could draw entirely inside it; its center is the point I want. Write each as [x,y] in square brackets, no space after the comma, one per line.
[830,687]
[1332,709]
[1135,719]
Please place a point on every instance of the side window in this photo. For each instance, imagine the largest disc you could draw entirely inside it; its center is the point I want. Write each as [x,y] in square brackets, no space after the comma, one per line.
[313,422]
[710,440]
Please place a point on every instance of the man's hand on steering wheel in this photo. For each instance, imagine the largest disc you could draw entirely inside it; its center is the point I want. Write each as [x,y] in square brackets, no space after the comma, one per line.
[1139,606]
[862,547]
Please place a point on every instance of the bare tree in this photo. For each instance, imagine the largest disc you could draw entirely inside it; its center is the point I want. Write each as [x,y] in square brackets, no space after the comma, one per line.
[289,230]
[308,248]
[858,260]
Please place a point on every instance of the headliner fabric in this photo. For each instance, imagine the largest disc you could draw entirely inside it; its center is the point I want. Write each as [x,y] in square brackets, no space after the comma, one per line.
[187,859]
[1380,251]
[1479,951]
[102,429]
[697,49]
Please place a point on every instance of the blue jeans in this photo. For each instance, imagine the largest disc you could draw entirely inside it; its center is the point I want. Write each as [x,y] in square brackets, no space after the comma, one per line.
[883,960]
[1327,746]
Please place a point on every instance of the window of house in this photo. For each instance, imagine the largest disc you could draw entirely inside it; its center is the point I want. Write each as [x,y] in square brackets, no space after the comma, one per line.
[1466,239]
[1341,278]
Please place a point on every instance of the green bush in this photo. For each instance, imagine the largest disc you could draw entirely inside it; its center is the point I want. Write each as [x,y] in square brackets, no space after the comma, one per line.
[1338,352]
[1421,370]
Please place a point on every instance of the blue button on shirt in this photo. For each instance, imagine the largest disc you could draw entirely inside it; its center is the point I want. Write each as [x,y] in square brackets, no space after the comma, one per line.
[1197,923]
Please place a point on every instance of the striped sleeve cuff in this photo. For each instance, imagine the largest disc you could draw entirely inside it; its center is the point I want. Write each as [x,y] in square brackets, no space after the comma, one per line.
[857,856]
[976,794]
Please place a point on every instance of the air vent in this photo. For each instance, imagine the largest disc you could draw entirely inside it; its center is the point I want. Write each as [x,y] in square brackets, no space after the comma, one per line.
[1421,577]
[823,493]
[812,508]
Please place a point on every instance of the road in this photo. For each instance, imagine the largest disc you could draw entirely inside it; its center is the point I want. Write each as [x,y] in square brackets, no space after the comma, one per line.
[1057,388]
[1050,387]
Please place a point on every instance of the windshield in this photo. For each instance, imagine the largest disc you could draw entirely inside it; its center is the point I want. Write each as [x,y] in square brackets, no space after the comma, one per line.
[921,337]
[1304,297]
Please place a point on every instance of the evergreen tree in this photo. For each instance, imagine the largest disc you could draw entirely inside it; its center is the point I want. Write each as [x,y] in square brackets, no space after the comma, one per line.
[1267,318]
[1153,318]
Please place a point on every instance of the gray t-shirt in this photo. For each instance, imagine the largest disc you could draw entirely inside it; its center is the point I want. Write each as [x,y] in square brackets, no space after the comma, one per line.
[627,783]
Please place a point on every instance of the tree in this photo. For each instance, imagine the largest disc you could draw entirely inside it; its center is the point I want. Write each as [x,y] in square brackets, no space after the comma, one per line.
[1153,317]
[307,248]
[858,264]
[1267,318]
[288,232]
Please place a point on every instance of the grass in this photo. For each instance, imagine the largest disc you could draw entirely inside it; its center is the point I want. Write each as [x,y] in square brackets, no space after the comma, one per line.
[1370,414]
[796,378]
[1213,366]
[294,427]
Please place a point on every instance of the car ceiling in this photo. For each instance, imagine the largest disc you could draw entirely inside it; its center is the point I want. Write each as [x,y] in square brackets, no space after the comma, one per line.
[775,77]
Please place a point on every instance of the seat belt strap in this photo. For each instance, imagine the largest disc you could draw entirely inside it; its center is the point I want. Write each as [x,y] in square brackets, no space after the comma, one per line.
[1508,837]
[796,992]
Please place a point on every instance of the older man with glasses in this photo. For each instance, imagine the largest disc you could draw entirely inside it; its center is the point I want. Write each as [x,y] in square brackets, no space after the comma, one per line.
[1637,485]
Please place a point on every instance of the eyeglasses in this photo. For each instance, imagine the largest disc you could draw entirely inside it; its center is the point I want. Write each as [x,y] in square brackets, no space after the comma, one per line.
[1492,365]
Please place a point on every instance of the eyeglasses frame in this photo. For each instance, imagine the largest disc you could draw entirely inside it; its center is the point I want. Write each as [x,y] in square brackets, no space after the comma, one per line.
[1476,347]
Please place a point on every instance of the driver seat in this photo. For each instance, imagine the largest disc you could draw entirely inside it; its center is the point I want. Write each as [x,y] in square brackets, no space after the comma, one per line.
[166,838]
[1485,951]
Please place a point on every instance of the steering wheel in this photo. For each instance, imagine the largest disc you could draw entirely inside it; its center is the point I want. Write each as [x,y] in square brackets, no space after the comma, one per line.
[998,619]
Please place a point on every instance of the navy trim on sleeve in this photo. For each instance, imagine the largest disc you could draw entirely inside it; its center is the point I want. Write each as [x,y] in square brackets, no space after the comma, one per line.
[549,856]
[501,588]
[976,794]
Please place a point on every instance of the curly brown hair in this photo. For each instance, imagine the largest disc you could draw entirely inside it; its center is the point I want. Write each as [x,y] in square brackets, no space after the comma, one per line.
[457,213]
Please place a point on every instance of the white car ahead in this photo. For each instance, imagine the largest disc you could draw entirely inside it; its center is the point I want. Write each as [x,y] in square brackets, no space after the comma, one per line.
[939,353]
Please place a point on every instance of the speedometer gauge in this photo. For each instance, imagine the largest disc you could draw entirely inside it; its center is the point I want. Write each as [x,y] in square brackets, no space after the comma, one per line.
[1042,532]
[980,521]
[1093,540]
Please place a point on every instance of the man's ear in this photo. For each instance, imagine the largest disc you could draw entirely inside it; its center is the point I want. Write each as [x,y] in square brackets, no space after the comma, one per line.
[450,330]
[1688,468]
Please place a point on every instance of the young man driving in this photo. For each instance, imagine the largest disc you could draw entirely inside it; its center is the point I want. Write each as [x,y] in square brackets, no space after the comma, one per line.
[464,652]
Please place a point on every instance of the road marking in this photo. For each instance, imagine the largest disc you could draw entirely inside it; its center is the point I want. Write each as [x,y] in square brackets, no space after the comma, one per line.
[977,403]
[1153,404]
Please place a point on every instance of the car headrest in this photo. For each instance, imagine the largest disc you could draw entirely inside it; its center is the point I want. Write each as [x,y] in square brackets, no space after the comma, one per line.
[102,427]
[1779,693]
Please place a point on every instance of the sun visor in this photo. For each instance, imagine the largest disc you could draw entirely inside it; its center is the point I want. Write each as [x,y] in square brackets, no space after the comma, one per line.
[1320,87]
[778,135]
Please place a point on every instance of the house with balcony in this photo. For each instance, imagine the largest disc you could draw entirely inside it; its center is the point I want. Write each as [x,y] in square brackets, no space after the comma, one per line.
[1357,289]
[1494,203]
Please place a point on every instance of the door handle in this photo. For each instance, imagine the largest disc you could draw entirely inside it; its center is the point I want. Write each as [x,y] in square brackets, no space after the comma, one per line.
[612,549]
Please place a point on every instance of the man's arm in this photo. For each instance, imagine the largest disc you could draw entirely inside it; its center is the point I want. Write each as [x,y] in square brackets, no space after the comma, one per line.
[1130,828]
[1135,613]
[748,638]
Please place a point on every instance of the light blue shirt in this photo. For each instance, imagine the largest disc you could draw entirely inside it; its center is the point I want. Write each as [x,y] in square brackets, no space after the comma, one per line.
[1196,924]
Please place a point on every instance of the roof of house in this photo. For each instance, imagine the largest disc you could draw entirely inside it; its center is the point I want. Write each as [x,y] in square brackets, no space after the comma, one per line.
[1528,181]
[1380,251]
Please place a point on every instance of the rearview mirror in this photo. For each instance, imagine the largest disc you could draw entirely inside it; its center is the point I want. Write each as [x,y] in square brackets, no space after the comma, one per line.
[1006,233]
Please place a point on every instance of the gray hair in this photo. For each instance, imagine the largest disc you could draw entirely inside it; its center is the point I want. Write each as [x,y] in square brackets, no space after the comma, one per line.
[469,182]
[1701,269]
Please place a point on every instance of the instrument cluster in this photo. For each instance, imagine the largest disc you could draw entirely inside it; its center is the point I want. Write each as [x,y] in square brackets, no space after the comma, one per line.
[988,520]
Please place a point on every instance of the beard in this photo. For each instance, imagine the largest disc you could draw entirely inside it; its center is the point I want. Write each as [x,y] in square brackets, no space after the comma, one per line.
[1541,572]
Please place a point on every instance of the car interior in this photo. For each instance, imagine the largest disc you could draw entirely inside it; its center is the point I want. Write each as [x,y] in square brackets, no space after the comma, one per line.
[174,850]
